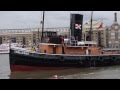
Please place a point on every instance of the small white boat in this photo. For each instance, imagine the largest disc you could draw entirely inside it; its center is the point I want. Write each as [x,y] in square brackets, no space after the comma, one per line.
[5,48]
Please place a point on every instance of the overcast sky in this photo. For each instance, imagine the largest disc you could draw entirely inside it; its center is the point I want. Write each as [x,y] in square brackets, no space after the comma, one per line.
[31,19]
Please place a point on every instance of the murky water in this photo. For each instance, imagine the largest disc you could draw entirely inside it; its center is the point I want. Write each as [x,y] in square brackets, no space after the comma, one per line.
[112,72]
[4,66]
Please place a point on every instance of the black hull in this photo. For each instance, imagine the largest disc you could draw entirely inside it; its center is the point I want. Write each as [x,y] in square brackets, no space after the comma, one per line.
[59,61]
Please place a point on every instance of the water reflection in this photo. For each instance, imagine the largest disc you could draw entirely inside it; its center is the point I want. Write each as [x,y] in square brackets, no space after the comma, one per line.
[4,66]
[82,73]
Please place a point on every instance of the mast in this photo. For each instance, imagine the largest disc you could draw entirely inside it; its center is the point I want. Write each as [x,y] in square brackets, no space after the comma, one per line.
[43,25]
[38,37]
[91,24]
[115,18]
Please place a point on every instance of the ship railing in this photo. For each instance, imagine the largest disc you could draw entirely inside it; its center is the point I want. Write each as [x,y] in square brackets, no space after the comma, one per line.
[74,42]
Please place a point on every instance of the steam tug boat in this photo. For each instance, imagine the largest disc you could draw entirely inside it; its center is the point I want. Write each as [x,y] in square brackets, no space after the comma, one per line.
[56,52]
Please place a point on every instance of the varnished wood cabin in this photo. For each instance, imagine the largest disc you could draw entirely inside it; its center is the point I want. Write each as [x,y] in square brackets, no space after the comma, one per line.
[53,44]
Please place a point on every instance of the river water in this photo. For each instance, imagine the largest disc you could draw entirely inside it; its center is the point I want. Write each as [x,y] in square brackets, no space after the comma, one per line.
[111,72]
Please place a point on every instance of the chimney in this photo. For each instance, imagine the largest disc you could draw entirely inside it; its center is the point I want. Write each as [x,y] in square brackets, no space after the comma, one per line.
[115,17]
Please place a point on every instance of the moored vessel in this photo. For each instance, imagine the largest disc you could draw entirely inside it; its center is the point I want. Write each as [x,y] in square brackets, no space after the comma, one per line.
[5,48]
[56,52]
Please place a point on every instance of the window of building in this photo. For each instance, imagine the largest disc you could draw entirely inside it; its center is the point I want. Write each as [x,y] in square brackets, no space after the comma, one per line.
[13,39]
[112,34]
[109,46]
[116,46]
[116,36]
[0,40]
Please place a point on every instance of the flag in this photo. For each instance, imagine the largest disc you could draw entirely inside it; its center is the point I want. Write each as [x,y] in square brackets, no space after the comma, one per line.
[101,25]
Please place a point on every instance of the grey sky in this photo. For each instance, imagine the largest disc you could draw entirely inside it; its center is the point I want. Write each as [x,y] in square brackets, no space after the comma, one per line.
[31,19]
